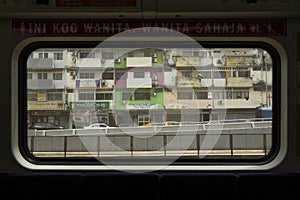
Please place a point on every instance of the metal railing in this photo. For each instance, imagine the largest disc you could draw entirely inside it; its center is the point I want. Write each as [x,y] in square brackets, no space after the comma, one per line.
[251,138]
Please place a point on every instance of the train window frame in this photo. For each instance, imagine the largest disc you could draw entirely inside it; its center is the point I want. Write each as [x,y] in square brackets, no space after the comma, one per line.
[279,130]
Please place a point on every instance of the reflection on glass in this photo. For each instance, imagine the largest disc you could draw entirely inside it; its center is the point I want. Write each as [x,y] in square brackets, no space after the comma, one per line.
[156,92]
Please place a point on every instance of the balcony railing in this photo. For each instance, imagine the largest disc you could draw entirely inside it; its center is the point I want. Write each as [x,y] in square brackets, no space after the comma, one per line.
[239,82]
[139,83]
[188,83]
[40,84]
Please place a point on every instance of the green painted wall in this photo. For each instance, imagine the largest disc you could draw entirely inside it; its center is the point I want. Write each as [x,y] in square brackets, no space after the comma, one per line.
[158,99]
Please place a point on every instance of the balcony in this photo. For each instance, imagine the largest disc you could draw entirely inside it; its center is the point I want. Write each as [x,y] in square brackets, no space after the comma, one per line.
[88,62]
[40,63]
[239,82]
[190,83]
[139,83]
[40,84]
[87,83]
[139,62]
[218,82]
[235,103]
[192,61]
[239,60]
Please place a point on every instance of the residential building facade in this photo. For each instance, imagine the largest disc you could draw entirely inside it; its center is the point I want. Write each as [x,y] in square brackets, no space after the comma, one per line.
[46,79]
[139,80]
[76,87]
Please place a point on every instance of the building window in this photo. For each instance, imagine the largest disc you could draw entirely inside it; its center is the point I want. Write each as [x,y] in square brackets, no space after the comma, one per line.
[43,55]
[218,95]
[120,75]
[58,56]
[104,96]
[184,95]
[126,96]
[244,73]
[86,55]
[108,76]
[219,74]
[201,95]
[139,75]
[240,95]
[29,75]
[32,97]
[187,74]
[54,96]
[86,75]
[236,93]
[234,74]
[42,75]
[57,76]
[141,95]
[86,95]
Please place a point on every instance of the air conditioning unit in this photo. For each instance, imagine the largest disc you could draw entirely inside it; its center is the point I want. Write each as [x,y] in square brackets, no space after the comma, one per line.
[72,73]
[221,102]
[123,102]
[154,94]
[118,60]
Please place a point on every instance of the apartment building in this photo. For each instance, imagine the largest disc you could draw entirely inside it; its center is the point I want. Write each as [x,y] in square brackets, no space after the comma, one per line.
[139,81]
[218,84]
[46,79]
[80,86]
[90,86]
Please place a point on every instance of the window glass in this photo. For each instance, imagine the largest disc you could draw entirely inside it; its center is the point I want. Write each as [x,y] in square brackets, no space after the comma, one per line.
[57,76]
[182,94]
[58,56]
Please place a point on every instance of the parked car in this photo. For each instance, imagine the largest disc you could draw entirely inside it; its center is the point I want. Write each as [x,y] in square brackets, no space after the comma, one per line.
[96,126]
[147,124]
[45,126]
[167,123]
[172,123]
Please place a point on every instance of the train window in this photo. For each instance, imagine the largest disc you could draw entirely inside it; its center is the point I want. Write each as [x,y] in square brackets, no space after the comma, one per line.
[164,104]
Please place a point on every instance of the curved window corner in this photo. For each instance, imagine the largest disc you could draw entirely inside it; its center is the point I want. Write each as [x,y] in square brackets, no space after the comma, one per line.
[160,106]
